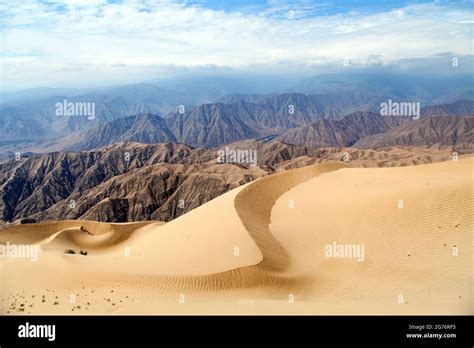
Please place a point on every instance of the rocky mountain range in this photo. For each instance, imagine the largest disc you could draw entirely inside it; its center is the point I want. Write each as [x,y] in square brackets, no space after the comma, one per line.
[30,115]
[38,119]
[151,153]
[440,126]
[345,132]
[295,118]
[456,132]
[134,182]
[130,182]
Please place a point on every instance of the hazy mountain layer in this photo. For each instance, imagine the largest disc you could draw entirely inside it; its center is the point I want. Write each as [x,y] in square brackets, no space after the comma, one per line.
[356,127]
[328,96]
[437,132]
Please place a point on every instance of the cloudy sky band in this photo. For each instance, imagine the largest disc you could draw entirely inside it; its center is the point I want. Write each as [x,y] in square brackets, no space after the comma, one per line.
[98,39]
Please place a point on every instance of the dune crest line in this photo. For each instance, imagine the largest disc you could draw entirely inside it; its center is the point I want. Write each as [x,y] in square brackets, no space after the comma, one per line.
[254,207]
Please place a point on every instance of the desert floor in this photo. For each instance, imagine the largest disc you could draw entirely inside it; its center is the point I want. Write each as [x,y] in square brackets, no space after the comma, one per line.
[261,249]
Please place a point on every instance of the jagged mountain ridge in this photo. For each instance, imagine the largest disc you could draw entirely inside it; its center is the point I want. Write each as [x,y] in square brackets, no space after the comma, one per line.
[433,132]
[345,132]
[354,128]
[103,185]
[147,186]
[297,118]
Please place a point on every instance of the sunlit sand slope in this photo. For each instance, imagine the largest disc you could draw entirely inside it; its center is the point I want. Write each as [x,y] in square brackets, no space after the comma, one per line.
[416,227]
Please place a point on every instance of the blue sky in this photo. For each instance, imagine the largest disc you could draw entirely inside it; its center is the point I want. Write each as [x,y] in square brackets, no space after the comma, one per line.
[324,8]
[75,42]
[319,8]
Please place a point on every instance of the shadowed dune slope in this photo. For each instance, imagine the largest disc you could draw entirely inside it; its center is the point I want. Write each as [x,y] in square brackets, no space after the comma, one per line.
[72,234]
[254,205]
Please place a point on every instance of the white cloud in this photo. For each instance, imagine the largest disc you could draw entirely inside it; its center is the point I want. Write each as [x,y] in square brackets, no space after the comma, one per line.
[102,40]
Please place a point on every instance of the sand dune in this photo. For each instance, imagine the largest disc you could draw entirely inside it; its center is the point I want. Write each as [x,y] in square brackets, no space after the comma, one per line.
[96,237]
[260,249]
[409,248]
[254,205]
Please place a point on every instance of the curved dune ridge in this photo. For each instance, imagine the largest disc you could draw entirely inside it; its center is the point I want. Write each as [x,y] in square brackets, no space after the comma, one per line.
[261,249]
[254,205]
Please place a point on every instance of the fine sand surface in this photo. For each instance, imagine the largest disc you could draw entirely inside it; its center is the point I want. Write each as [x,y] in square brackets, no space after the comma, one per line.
[260,249]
